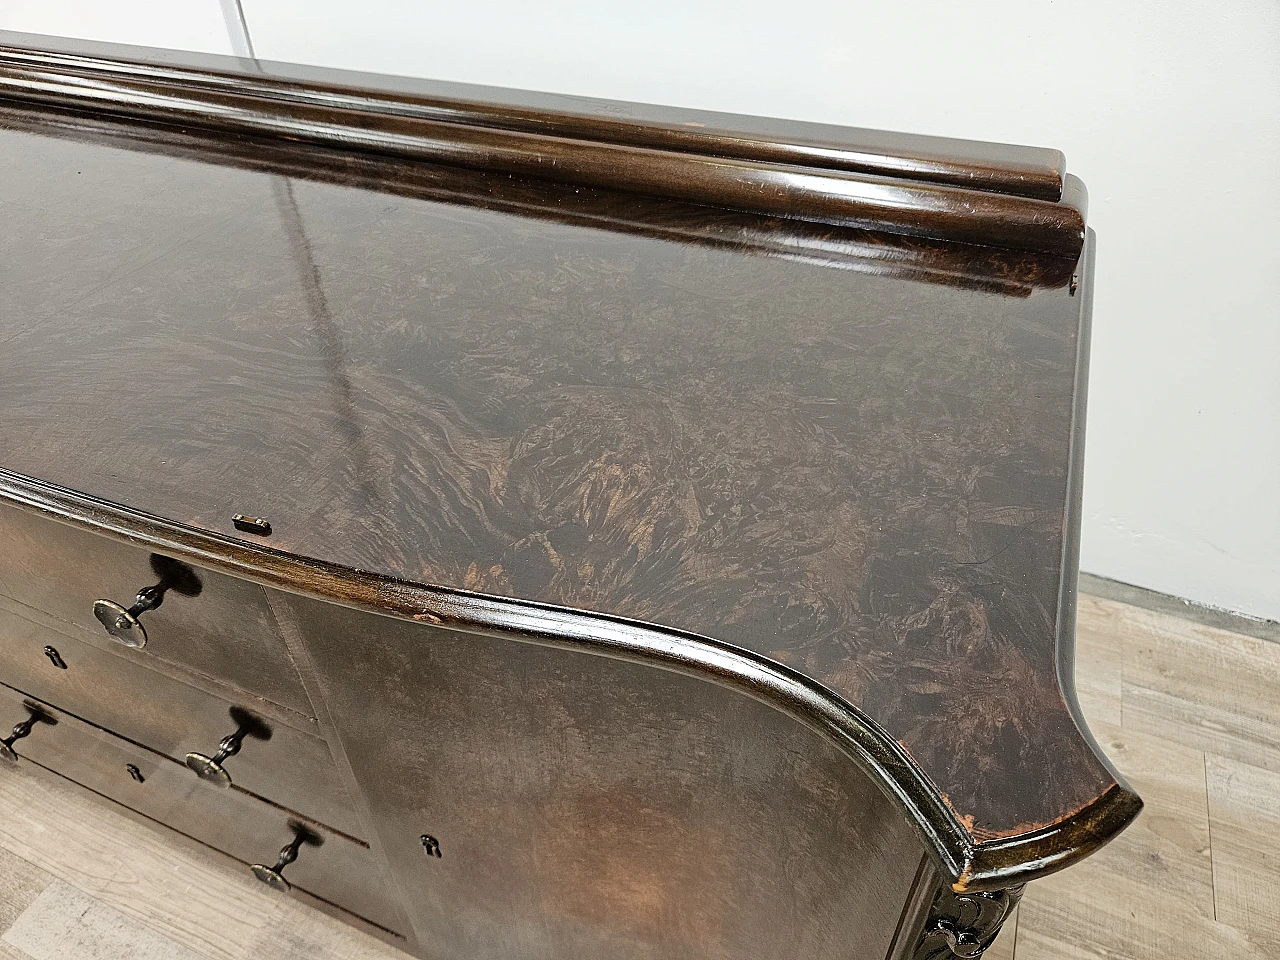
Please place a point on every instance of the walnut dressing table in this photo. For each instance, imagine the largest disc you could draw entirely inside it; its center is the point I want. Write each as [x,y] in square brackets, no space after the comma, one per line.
[536,527]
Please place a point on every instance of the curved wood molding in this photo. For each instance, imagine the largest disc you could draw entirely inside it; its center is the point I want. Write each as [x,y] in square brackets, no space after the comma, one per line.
[967,863]
[1015,198]
[1033,172]
[966,606]
[1012,273]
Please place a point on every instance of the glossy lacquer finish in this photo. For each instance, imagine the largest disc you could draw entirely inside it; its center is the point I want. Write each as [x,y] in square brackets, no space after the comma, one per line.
[1000,196]
[834,470]
[30,64]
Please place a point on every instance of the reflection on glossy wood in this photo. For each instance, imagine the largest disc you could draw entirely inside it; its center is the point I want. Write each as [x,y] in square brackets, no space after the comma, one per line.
[215,626]
[1117,905]
[342,871]
[989,865]
[1011,272]
[120,693]
[974,193]
[826,467]
[1000,168]
[601,452]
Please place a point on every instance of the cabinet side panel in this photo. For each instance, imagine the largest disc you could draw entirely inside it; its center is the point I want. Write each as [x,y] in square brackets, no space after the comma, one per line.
[587,807]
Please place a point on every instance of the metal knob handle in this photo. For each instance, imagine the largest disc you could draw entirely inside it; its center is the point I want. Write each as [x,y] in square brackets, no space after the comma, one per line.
[23,729]
[273,876]
[210,768]
[123,624]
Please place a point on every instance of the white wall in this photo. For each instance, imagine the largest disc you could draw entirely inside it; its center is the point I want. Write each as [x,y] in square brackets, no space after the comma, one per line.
[181,24]
[1170,112]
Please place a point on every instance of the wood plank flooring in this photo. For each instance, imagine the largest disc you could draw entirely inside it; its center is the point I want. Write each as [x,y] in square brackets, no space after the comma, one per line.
[82,881]
[1189,713]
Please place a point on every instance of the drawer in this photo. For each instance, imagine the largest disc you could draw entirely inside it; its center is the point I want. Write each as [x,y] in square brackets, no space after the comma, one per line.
[115,689]
[343,872]
[213,624]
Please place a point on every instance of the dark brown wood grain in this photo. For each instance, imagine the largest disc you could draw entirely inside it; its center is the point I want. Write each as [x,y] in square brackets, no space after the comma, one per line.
[220,629]
[1012,272]
[1015,198]
[115,688]
[968,862]
[861,478]
[848,458]
[1033,172]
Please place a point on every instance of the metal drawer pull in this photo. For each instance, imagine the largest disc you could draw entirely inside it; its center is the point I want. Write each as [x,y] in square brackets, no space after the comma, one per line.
[273,876]
[210,768]
[123,624]
[23,729]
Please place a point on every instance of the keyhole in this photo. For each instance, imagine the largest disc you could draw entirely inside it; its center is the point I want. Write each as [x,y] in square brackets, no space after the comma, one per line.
[135,773]
[55,657]
[431,845]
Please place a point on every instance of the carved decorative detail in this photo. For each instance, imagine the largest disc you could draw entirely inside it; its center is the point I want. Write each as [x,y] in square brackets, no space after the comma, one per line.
[965,924]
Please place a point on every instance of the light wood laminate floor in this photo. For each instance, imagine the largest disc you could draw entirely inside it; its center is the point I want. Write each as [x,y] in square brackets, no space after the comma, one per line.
[1190,713]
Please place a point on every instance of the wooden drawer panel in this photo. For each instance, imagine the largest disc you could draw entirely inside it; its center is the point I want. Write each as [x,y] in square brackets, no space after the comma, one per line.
[343,872]
[213,624]
[117,691]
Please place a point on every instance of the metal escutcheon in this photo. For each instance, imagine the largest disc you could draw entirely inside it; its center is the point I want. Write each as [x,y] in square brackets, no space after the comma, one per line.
[210,769]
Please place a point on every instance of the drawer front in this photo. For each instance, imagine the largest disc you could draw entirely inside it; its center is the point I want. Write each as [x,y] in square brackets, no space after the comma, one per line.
[343,872]
[118,692]
[213,624]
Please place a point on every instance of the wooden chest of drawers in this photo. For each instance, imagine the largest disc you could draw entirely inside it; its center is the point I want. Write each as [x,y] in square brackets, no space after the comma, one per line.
[119,692]
[215,626]
[337,869]
[672,516]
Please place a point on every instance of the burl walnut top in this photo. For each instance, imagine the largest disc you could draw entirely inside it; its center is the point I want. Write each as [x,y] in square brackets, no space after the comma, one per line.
[864,476]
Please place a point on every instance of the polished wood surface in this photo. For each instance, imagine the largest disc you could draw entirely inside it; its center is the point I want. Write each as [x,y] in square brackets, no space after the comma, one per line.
[594,452]
[339,870]
[1000,168]
[1006,197]
[215,626]
[1008,271]
[863,480]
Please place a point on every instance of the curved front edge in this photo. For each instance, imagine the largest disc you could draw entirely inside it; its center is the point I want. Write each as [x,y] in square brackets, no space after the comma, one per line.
[999,863]
[962,862]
